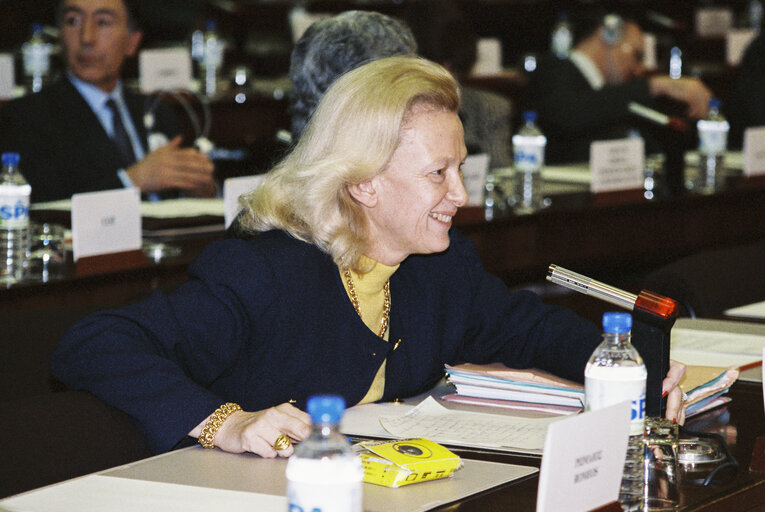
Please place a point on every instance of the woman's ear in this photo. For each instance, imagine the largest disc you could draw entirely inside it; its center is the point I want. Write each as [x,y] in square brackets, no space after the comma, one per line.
[364,193]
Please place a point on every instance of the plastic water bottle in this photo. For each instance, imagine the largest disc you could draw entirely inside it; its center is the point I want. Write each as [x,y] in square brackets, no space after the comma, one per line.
[324,474]
[713,143]
[675,62]
[562,36]
[755,14]
[36,56]
[616,373]
[212,59]
[14,219]
[528,159]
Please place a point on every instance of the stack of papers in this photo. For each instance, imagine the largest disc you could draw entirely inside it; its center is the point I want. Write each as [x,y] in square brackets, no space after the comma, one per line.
[498,386]
[705,386]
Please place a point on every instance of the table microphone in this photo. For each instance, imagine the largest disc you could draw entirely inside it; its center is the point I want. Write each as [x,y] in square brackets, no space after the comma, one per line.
[646,301]
[657,117]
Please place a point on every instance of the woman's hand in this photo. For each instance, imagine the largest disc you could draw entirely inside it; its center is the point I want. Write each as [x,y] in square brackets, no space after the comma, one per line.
[671,387]
[257,431]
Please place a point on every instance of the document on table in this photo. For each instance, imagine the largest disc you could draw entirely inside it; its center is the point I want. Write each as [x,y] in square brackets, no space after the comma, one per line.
[462,428]
[167,209]
[756,310]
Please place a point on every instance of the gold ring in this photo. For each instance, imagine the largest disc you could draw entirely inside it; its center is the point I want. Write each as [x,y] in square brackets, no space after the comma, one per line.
[282,443]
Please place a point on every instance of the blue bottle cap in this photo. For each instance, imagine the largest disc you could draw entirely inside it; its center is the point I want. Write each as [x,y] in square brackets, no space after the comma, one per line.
[11,158]
[211,25]
[715,103]
[326,408]
[530,116]
[618,323]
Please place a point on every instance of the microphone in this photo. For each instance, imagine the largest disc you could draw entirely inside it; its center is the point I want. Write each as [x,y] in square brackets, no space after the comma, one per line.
[646,301]
[657,117]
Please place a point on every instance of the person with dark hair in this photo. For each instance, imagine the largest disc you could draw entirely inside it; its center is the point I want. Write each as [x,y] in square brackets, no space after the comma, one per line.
[351,281]
[85,132]
[585,97]
[745,106]
[335,45]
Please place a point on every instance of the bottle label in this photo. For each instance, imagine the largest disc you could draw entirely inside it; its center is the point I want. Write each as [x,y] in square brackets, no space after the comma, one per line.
[604,386]
[713,137]
[14,206]
[322,485]
[528,153]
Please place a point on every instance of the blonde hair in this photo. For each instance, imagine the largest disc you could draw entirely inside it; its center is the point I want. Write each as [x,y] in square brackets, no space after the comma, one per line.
[350,138]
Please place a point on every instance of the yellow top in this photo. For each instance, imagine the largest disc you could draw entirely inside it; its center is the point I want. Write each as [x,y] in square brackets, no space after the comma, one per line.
[369,290]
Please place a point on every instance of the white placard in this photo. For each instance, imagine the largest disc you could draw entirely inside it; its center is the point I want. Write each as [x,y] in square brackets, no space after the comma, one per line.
[649,51]
[736,42]
[488,57]
[474,176]
[164,69]
[713,21]
[617,164]
[106,222]
[232,189]
[754,151]
[583,460]
[7,76]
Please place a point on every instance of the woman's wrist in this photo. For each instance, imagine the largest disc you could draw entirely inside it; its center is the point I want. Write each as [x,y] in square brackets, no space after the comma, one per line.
[213,424]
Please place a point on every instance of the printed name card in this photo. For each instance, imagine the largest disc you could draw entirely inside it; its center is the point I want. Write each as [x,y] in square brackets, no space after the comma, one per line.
[583,460]
[736,43]
[488,57]
[232,189]
[7,76]
[164,69]
[713,21]
[649,51]
[474,176]
[106,222]
[617,164]
[754,151]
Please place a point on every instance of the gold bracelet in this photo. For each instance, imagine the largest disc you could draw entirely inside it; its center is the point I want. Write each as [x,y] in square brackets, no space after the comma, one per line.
[216,420]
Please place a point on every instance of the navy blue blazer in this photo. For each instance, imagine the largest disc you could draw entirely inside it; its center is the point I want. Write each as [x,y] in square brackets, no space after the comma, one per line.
[64,148]
[266,320]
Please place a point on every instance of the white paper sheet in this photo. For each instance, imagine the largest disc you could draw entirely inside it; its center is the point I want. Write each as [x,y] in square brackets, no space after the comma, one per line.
[98,493]
[756,310]
[167,209]
[435,422]
[721,343]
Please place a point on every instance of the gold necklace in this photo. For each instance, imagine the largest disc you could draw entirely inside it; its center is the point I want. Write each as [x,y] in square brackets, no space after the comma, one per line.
[355,302]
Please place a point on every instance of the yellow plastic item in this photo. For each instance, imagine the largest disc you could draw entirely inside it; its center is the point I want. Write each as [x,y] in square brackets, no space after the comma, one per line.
[405,461]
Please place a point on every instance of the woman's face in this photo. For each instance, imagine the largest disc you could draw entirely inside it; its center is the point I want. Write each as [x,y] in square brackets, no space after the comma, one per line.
[419,191]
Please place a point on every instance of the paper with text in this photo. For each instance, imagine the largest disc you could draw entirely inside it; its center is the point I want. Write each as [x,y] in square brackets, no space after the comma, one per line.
[584,460]
[106,222]
[433,421]
[617,164]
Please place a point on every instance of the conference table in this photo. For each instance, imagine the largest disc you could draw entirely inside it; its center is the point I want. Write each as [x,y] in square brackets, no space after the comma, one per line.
[207,476]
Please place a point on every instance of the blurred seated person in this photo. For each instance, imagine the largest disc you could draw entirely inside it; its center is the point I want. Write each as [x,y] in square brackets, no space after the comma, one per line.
[585,97]
[351,281]
[331,46]
[450,40]
[86,132]
[746,101]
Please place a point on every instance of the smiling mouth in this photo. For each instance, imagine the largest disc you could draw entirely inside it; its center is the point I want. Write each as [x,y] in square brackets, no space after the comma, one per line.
[446,219]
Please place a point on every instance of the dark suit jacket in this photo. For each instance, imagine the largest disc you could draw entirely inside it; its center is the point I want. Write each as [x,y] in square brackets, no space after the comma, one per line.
[746,101]
[64,149]
[572,114]
[267,319]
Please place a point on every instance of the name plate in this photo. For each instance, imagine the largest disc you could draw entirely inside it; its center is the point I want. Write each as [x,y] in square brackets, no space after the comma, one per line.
[7,76]
[583,460]
[754,151]
[106,222]
[713,21]
[488,57]
[232,189]
[164,69]
[736,43]
[617,164]
[474,177]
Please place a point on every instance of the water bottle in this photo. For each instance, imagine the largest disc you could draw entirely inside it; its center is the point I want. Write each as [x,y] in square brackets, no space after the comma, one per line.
[675,62]
[36,57]
[713,143]
[212,59]
[528,159]
[14,219]
[562,37]
[324,474]
[755,14]
[616,373]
